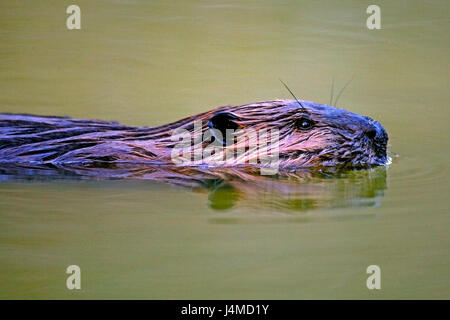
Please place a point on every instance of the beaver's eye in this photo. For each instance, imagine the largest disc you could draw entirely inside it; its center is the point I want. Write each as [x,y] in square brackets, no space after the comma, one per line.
[304,123]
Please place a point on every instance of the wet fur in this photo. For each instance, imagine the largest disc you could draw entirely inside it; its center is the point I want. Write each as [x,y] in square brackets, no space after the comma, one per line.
[337,138]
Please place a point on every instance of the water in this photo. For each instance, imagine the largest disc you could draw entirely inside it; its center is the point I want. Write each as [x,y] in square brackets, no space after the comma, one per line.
[147,63]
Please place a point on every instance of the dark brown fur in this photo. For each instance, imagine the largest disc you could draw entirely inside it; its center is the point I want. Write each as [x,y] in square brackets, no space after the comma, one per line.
[337,138]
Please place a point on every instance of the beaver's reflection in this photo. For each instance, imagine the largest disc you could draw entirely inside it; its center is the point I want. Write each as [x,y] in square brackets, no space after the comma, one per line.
[301,190]
[228,188]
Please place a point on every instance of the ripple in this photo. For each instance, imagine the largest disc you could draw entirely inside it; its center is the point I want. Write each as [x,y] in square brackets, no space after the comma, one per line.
[414,172]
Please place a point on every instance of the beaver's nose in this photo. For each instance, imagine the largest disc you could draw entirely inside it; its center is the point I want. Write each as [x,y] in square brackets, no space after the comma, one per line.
[371,133]
[375,131]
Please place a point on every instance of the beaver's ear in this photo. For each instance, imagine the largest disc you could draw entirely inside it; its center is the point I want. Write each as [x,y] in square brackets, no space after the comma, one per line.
[222,121]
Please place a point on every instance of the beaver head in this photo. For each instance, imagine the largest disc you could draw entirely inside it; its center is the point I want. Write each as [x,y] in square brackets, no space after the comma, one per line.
[310,134]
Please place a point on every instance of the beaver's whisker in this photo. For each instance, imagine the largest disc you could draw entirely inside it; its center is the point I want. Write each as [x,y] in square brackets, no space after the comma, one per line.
[285,85]
[342,90]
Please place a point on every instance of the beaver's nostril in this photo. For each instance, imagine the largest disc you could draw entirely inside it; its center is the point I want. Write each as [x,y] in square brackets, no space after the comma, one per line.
[371,133]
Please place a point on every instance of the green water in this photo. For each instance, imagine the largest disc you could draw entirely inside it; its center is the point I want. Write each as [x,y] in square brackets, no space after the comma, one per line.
[151,62]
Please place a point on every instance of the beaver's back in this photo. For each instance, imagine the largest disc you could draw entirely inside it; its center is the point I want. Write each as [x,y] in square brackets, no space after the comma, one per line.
[30,138]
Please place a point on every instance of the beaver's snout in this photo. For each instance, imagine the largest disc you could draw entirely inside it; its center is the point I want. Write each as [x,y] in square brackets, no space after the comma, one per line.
[375,132]
[368,140]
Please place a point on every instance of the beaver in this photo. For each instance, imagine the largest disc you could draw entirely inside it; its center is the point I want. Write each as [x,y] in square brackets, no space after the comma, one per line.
[309,135]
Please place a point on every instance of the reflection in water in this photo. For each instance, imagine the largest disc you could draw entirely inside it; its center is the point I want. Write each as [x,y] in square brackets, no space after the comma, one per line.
[299,190]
